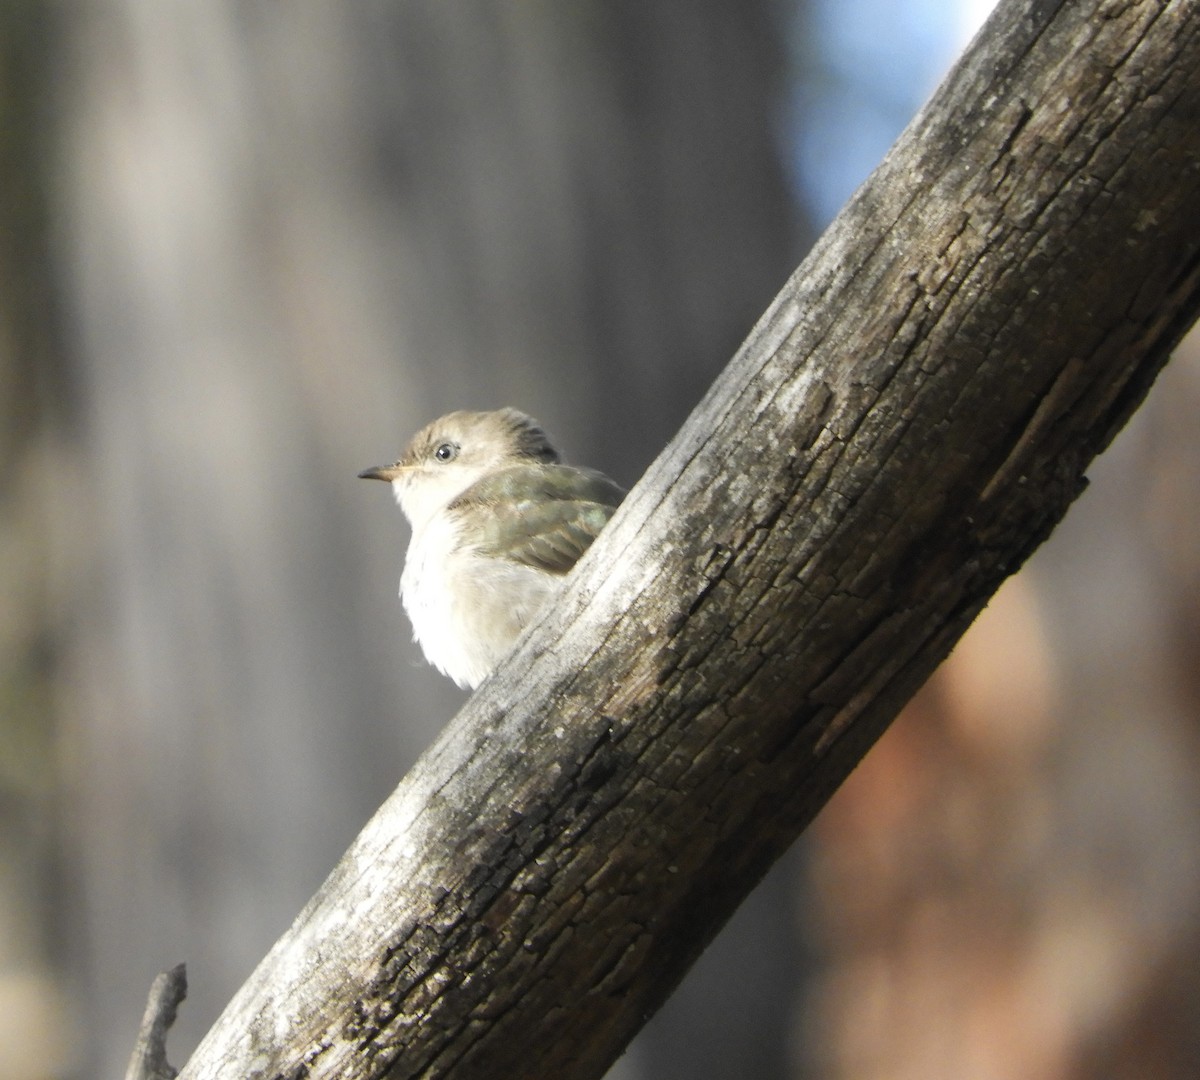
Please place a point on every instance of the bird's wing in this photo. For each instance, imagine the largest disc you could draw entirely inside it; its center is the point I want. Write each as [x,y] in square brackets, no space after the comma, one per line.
[542,515]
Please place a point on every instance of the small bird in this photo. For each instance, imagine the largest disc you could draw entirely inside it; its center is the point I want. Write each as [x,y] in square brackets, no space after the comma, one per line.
[497,521]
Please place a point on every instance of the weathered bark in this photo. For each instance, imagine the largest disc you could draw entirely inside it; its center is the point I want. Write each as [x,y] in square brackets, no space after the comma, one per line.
[908,421]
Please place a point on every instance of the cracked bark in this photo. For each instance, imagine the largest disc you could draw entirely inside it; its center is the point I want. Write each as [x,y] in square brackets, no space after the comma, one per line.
[907,422]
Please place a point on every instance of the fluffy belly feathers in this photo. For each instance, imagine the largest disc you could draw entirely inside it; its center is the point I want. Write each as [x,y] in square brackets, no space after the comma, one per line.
[467,610]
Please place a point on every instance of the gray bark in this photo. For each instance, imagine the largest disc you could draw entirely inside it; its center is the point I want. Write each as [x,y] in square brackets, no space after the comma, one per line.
[149,1060]
[907,422]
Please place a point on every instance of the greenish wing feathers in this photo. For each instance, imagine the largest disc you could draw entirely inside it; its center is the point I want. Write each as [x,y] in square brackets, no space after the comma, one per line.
[545,515]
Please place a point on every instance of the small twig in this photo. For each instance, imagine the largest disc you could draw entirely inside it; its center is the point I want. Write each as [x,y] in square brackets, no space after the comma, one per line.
[149,1061]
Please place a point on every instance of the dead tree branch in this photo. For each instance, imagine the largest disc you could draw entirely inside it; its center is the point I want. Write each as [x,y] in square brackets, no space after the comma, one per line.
[149,1060]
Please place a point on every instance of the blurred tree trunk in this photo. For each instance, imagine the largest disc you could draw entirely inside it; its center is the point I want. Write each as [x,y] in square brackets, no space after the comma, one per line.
[33,452]
[295,233]
[905,425]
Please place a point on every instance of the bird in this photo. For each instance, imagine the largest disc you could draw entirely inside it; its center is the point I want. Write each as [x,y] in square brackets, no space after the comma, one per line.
[497,521]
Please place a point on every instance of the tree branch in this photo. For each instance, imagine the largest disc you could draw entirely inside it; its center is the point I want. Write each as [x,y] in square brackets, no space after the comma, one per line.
[149,1060]
[906,423]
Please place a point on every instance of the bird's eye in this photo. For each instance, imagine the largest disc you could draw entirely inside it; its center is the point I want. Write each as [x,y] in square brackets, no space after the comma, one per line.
[448,451]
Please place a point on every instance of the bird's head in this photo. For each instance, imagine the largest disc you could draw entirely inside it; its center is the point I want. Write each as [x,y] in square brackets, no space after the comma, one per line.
[456,451]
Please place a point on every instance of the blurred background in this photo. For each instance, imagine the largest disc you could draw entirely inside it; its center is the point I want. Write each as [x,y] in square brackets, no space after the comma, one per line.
[246,249]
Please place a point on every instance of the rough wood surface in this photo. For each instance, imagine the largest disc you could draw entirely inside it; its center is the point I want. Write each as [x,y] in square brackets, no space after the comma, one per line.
[906,423]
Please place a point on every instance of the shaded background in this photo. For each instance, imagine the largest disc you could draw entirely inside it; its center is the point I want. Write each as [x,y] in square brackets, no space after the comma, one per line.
[246,249]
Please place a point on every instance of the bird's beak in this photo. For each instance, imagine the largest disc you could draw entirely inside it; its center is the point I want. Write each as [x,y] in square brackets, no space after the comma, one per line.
[381,472]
